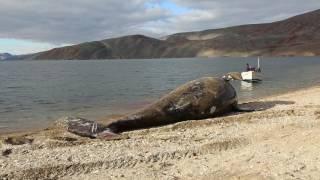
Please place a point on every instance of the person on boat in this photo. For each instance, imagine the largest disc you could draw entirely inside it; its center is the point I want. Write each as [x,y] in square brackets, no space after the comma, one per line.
[248,67]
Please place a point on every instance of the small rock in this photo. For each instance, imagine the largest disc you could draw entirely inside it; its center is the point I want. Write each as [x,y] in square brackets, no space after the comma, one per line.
[69,158]
[18,140]
[69,139]
[25,152]
[6,152]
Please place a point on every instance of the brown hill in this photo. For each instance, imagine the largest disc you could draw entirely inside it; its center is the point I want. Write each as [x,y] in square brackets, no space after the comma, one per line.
[296,36]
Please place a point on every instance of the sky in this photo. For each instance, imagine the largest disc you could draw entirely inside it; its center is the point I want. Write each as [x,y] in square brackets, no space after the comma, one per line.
[38,25]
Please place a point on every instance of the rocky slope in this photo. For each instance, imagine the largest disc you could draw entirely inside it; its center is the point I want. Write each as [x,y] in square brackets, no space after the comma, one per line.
[296,36]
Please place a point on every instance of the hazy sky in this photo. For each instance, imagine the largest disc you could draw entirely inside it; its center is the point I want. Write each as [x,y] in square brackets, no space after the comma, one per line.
[35,25]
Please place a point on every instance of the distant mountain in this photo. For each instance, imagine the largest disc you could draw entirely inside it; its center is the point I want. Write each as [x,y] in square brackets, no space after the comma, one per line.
[5,56]
[296,36]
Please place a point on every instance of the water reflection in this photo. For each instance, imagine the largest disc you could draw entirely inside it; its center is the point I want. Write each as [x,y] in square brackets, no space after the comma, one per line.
[246,86]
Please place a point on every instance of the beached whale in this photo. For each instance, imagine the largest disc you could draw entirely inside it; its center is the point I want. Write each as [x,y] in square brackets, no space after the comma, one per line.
[203,98]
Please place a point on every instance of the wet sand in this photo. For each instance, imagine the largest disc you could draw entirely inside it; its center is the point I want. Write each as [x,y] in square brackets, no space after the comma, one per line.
[278,142]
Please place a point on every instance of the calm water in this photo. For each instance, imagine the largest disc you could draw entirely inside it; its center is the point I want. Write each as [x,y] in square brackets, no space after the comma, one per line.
[35,93]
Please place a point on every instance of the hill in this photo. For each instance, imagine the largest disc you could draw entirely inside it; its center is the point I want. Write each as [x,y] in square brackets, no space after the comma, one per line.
[296,36]
[5,56]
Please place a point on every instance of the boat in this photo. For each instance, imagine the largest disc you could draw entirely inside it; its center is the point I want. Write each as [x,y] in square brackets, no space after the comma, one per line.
[252,74]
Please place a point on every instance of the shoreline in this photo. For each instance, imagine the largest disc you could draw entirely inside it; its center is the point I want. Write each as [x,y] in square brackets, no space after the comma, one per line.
[277,142]
[100,118]
[110,117]
[286,93]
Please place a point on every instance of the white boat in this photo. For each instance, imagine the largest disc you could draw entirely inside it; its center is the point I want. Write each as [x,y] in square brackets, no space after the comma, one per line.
[253,75]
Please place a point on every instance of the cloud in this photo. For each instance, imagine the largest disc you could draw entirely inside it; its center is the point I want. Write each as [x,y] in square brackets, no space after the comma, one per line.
[211,14]
[237,12]
[74,21]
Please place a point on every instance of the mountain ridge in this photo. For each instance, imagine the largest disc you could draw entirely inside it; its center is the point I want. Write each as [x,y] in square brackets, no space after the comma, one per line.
[295,36]
[5,56]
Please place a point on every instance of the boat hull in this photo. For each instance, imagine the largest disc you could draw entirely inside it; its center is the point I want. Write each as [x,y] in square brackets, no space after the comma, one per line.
[251,76]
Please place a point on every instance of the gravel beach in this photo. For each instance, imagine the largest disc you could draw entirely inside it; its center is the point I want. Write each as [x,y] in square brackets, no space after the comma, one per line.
[278,142]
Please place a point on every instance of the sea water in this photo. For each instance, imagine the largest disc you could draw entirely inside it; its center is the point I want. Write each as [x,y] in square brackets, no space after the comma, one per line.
[33,94]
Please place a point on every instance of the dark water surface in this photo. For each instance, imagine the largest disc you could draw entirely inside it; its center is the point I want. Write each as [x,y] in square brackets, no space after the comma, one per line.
[35,93]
